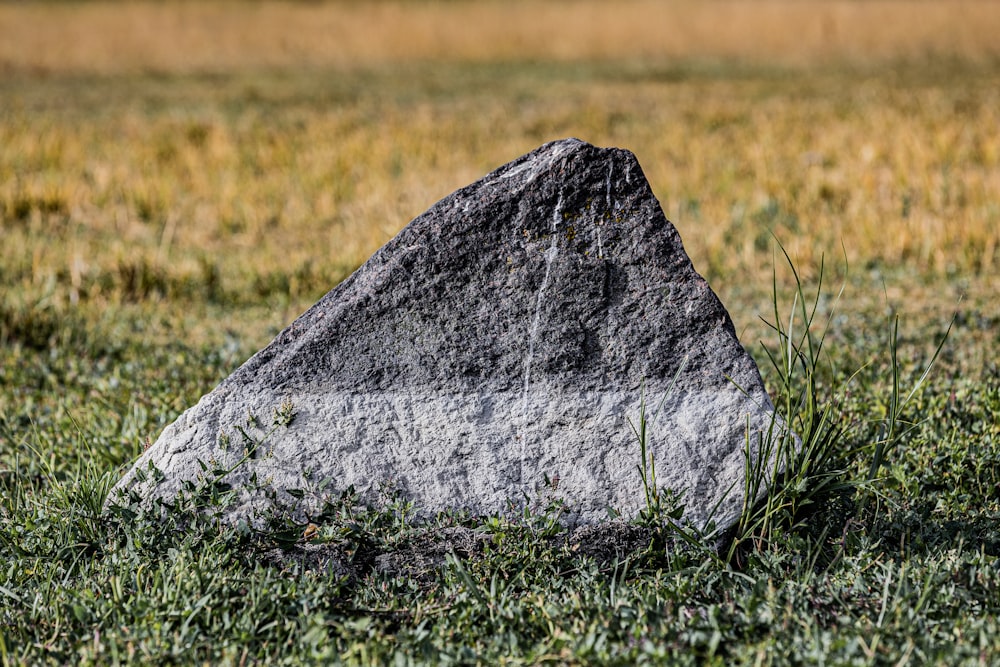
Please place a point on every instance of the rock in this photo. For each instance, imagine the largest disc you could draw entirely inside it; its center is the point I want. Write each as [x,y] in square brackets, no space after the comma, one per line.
[495,354]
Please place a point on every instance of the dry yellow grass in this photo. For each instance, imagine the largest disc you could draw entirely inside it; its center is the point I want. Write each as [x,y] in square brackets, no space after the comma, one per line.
[217,35]
[268,182]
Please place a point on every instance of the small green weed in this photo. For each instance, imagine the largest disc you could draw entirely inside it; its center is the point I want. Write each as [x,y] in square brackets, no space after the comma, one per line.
[660,503]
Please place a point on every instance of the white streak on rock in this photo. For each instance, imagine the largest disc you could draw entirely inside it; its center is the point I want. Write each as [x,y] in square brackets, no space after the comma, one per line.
[550,256]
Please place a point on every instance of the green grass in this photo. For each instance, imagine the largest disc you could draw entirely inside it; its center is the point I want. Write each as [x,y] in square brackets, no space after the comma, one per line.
[135,275]
[903,567]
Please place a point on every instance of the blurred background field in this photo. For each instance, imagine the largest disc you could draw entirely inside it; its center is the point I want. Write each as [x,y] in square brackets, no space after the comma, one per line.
[181,37]
[201,172]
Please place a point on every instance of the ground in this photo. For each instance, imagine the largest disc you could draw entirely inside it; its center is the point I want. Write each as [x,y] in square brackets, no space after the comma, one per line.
[171,197]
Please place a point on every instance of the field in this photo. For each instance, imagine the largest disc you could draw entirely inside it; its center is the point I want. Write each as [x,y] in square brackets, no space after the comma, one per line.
[179,180]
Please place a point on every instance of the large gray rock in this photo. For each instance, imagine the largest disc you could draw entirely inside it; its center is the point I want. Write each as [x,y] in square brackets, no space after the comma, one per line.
[496,352]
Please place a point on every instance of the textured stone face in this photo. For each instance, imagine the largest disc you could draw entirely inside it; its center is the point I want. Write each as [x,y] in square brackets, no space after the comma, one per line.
[493,354]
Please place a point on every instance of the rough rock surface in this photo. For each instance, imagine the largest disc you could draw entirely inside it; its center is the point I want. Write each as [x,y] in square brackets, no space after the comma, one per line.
[495,353]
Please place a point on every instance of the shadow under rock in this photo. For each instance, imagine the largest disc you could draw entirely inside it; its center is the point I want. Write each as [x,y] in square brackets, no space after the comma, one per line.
[421,555]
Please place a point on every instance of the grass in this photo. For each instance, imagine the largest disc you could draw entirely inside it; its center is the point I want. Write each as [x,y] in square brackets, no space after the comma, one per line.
[146,183]
[904,568]
[160,221]
[143,35]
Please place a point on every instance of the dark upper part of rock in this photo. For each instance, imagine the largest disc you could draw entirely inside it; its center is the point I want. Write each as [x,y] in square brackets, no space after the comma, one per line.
[565,248]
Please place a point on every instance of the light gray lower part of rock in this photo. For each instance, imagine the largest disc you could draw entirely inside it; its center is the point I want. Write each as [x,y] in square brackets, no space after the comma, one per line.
[438,449]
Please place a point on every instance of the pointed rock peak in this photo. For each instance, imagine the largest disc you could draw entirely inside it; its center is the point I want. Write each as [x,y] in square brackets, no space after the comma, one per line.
[525,340]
